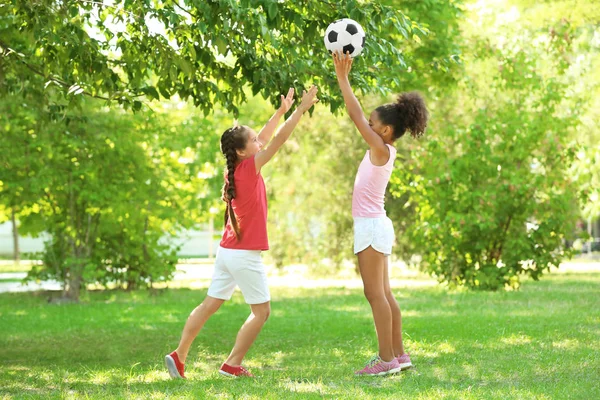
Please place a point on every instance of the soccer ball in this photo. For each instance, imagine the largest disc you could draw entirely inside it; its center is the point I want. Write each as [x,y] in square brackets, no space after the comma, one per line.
[345,35]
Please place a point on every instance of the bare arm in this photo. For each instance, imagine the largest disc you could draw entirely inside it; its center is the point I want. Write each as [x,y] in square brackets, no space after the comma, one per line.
[343,65]
[267,131]
[308,100]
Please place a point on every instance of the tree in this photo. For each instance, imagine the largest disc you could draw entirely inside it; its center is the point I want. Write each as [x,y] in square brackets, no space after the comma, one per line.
[206,51]
[84,190]
[491,191]
[113,188]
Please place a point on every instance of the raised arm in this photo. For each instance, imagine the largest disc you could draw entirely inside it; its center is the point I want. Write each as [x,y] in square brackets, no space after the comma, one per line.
[308,100]
[343,65]
[267,131]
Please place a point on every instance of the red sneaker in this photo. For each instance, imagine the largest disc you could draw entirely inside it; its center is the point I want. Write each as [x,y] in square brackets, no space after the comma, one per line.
[174,366]
[234,372]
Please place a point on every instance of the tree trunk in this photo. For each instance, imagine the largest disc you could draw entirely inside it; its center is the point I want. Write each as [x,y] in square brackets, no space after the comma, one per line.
[74,276]
[74,286]
[15,232]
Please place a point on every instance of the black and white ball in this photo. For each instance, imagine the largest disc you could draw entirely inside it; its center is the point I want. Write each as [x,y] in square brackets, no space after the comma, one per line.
[345,35]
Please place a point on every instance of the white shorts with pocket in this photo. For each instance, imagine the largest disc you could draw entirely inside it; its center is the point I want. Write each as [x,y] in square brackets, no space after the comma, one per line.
[375,232]
[243,268]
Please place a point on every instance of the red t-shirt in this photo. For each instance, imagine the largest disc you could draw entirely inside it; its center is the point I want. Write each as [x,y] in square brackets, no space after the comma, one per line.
[250,206]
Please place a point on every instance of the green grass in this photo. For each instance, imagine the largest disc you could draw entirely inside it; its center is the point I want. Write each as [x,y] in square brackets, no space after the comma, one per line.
[540,342]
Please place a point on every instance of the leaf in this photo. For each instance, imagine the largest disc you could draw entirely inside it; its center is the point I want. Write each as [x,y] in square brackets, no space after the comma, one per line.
[185,66]
[272,10]
[221,45]
[151,92]
[164,91]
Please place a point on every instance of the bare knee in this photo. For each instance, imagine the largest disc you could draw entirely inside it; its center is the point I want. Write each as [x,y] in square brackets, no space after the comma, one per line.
[262,311]
[392,300]
[210,305]
[374,295]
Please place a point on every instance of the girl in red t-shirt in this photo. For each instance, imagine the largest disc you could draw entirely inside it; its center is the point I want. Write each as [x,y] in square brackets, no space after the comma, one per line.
[238,260]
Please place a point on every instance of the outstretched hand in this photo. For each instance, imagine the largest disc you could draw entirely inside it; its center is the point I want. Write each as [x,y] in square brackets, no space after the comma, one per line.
[309,98]
[287,101]
[343,63]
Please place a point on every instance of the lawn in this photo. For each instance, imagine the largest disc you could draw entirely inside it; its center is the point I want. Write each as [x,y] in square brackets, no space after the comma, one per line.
[540,342]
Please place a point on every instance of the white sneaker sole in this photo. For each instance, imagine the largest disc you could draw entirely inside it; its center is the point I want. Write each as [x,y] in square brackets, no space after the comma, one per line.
[227,374]
[405,366]
[170,363]
[391,371]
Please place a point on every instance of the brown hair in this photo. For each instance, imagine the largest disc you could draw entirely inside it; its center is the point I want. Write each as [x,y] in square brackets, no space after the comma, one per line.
[408,113]
[232,139]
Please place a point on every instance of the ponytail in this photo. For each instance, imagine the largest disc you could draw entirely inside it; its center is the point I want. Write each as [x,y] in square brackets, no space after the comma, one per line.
[408,113]
[233,139]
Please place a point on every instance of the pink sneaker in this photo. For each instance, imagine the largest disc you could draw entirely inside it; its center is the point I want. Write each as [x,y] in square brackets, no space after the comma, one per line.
[376,366]
[404,361]
[174,366]
[234,372]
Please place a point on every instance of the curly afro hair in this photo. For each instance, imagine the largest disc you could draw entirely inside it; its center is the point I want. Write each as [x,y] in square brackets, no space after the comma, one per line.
[408,113]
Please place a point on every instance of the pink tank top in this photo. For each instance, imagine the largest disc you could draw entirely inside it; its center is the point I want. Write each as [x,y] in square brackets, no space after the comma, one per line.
[370,185]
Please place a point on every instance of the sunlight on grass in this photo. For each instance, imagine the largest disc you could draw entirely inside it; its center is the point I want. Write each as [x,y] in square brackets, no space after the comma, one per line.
[100,377]
[275,361]
[446,348]
[194,284]
[203,366]
[153,395]
[347,308]
[516,340]
[305,386]
[471,371]
[442,374]
[410,313]
[433,350]
[463,345]
[153,376]
[566,344]
[31,381]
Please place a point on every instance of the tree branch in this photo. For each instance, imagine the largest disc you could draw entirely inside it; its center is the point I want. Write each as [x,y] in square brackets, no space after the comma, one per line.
[58,81]
[184,10]
[99,3]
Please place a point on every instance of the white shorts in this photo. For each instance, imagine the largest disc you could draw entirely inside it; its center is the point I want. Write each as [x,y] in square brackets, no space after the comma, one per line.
[243,268]
[375,232]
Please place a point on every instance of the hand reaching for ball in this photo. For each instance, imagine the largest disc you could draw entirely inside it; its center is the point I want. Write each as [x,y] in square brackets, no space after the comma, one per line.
[343,64]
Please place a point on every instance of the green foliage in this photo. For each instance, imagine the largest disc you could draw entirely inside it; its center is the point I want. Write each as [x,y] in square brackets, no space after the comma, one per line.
[493,199]
[109,188]
[310,185]
[525,96]
[206,51]
[433,60]
[106,190]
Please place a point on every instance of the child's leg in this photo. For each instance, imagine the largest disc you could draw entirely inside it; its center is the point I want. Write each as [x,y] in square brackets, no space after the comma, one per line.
[248,332]
[396,315]
[371,264]
[195,322]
